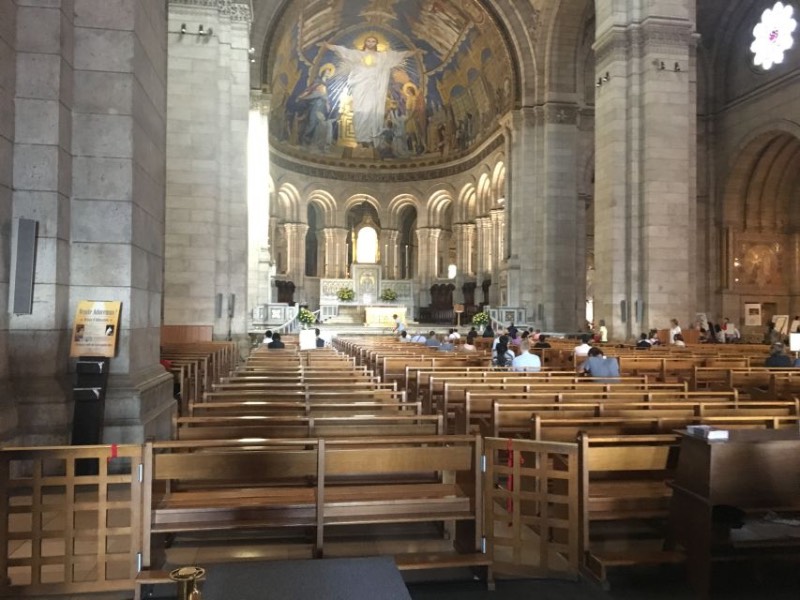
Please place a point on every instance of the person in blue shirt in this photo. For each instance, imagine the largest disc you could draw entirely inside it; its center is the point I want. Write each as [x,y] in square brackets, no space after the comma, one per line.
[597,365]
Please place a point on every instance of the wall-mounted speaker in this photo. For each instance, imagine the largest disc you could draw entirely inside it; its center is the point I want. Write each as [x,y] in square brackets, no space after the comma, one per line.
[218,306]
[231,305]
[540,312]
[623,311]
[24,266]
[639,311]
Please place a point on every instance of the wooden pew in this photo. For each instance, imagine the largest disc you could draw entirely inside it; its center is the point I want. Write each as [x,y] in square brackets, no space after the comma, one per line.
[319,485]
[326,426]
[623,485]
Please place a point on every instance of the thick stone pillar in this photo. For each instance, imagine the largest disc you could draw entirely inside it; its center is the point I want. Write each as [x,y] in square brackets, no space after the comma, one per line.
[8,70]
[645,164]
[209,101]
[259,282]
[335,243]
[117,219]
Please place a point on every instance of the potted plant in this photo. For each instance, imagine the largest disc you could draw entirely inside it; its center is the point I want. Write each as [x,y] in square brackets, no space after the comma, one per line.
[388,295]
[480,319]
[345,294]
[306,317]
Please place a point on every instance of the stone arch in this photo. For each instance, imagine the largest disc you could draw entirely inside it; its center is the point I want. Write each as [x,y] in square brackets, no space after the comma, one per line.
[466,204]
[563,41]
[397,207]
[288,204]
[499,180]
[484,194]
[436,207]
[326,204]
[357,199]
[762,181]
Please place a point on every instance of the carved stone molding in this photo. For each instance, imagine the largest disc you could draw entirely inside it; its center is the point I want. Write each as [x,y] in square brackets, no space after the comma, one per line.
[235,10]
[654,35]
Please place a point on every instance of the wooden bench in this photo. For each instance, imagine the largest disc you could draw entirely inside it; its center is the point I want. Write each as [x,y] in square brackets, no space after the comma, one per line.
[623,484]
[238,427]
[319,485]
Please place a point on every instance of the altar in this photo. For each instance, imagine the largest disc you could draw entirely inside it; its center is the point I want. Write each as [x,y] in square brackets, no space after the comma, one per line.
[382,315]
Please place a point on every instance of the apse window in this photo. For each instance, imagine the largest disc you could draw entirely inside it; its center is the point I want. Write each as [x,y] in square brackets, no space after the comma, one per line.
[773,36]
[367,246]
[452,271]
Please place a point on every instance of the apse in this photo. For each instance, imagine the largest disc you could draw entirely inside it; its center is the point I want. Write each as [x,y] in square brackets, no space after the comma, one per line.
[388,83]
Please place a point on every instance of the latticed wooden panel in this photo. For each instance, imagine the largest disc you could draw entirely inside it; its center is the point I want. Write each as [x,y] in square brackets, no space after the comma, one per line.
[531,507]
[66,532]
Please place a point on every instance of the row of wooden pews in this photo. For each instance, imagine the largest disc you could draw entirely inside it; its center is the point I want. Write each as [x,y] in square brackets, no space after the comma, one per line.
[312,450]
[625,431]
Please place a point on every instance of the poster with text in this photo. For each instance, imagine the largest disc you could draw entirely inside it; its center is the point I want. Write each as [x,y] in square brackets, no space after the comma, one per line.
[95,330]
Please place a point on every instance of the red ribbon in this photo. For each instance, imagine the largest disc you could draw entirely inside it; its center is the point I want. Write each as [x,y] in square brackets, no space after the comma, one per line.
[114,453]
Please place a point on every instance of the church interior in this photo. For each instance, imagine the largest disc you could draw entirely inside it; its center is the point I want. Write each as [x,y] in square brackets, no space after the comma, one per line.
[177,177]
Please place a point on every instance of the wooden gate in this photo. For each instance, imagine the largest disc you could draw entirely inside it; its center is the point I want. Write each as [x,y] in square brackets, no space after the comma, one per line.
[531,516]
[67,533]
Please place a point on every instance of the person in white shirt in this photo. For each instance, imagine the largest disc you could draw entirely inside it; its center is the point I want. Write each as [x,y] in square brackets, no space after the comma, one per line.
[418,338]
[603,331]
[454,335]
[584,347]
[674,330]
[267,337]
[526,361]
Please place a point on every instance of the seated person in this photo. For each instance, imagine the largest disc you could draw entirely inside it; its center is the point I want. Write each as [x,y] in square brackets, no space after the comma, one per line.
[502,356]
[584,347]
[276,342]
[597,365]
[542,342]
[445,345]
[404,336]
[526,361]
[678,342]
[454,335]
[418,338]
[320,342]
[644,343]
[433,340]
[469,345]
[267,337]
[777,358]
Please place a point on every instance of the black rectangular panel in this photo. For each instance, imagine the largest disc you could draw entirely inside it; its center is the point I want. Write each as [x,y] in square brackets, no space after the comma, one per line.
[25,266]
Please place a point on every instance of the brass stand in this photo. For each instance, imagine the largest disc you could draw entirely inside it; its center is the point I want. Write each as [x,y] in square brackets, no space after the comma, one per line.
[186,578]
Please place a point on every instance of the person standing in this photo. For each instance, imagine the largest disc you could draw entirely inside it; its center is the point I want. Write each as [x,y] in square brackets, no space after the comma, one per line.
[674,330]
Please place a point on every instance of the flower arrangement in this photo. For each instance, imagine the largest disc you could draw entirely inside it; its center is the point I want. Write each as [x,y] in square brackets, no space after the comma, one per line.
[345,294]
[388,295]
[480,319]
[306,317]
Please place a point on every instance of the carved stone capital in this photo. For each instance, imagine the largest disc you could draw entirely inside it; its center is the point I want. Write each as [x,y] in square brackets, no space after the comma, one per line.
[560,114]
[235,10]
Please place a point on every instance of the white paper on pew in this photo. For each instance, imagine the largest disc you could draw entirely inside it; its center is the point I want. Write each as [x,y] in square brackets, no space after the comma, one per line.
[308,339]
[794,342]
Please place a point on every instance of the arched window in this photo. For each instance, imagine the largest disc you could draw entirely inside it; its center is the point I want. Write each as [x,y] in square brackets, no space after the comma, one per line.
[367,246]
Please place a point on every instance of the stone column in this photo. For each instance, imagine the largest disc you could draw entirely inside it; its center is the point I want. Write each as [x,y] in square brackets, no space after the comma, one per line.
[465,236]
[497,223]
[296,255]
[521,195]
[335,242]
[484,238]
[42,187]
[209,101]
[427,257]
[259,282]
[117,219]
[8,68]
[390,253]
[645,140]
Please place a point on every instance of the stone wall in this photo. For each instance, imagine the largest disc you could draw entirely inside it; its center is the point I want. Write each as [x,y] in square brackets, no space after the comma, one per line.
[206,225]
